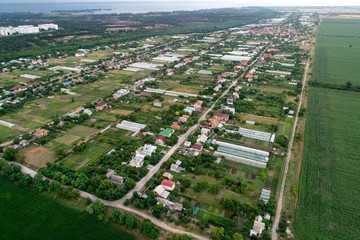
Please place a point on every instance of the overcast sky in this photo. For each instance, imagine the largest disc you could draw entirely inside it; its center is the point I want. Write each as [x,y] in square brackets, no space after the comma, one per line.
[216,3]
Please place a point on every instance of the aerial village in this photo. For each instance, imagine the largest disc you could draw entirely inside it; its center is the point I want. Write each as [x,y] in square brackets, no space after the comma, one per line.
[194,126]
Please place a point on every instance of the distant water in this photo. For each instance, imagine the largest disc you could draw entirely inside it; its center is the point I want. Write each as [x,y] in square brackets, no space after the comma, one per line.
[116,7]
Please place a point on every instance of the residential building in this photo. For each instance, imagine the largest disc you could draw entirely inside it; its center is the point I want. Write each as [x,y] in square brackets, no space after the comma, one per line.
[168,175]
[176,126]
[160,140]
[101,105]
[161,192]
[40,133]
[197,147]
[138,160]
[168,184]
[167,132]
[221,116]
[258,227]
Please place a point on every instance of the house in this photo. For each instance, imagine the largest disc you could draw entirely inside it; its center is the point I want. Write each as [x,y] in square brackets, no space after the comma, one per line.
[183,118]
[168,184]
[187,143]
[157,104]
[88,112]
[198,105]
[101,105]
[230,100]
[189,110]
[23,143]
[19,88]
[175,168]
[205,131]
[217,88]
[148,149]
[175,126]
[110,173]
[159,74]
[161,192]
[40,133]
[214,123]
[117,180]
[258,226]
[138,160]
[160,140]
[221,117]
[197,147]
[168,175]
[167,132]
[120,93]
[178,207]
[202,138]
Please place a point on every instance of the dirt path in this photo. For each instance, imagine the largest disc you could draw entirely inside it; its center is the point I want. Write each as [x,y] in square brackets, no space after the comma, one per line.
[280,200]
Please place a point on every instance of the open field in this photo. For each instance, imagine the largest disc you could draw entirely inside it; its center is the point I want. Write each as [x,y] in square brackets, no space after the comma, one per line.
[33,215]
[328,191]
[37,157]
[337,52]
[39,111]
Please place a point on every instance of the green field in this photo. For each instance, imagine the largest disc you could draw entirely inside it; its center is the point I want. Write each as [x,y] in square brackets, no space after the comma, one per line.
[329,194]
[27,214]
[335,61]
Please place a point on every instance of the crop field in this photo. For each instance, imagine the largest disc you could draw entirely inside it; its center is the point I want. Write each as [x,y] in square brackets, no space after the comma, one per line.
[88,156]
[33,215]
[337,52]
[329,194]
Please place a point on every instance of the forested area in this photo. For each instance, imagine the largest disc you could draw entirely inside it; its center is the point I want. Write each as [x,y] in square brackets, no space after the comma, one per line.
[93,29]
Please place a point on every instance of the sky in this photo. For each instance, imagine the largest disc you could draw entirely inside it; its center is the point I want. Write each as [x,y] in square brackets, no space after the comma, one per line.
[215,3]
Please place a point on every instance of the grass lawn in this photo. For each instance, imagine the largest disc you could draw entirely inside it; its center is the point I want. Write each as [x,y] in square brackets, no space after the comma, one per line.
[82,131]
[7,133]
[27,214]
[329,181]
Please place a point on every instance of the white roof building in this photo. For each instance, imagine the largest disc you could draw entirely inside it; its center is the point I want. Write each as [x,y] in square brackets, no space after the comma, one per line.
[148,149]
[258,226]
[138,160]
[131,126]
[161,192]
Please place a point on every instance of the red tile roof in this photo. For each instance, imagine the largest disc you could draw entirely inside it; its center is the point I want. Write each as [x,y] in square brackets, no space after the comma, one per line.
[167,183]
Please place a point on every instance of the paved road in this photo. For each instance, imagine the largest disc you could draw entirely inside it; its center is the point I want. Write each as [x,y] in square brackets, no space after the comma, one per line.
[181,140]
[279,205]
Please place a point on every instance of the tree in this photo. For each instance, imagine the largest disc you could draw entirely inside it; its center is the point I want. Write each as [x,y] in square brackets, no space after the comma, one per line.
[10,154]
[98,207]
[237,236]
[26,179]
[214,188]
[148,229]
[130,222]
[158,210]
[118,216]
[219,234]
[130,184]
[348,85]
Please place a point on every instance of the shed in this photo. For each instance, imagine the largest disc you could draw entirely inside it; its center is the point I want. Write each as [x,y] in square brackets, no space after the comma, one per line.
[196,211]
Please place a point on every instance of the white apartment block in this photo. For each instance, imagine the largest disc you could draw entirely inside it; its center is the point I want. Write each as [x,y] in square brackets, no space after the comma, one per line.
[27,29]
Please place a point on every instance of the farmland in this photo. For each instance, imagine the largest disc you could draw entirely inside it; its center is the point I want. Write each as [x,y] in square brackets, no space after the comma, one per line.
[328,189]
[337,52]
[31,215]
